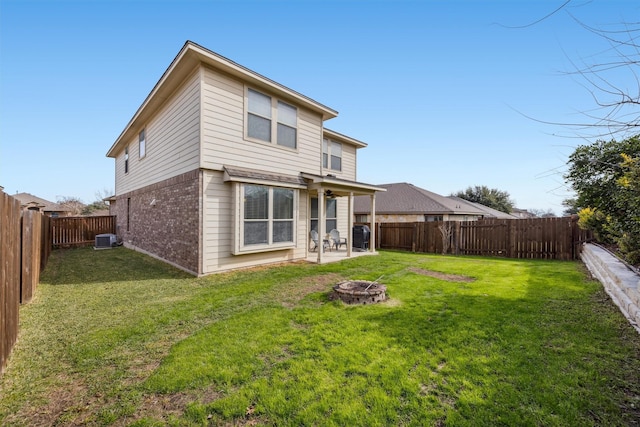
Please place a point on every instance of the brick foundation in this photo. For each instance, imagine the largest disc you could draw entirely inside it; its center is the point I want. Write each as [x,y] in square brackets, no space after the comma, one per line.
[163,220]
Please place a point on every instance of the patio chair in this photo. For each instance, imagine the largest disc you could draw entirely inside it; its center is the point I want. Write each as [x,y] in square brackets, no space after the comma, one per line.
[337,240]
[315,239]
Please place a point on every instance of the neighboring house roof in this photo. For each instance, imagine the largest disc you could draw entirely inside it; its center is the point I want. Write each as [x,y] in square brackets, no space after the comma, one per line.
[99,212]
[522,213]
[404,198]
[188,59]
[29,200]
[489,212]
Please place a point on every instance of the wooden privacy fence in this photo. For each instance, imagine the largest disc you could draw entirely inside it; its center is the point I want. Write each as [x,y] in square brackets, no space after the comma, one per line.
[26,239]
[542,238]
[80,231]
[24,250]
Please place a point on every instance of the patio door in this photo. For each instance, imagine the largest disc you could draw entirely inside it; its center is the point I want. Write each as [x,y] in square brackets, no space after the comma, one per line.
[331,212]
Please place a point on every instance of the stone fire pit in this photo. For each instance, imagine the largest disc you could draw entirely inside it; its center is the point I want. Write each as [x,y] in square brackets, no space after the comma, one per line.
[360,292]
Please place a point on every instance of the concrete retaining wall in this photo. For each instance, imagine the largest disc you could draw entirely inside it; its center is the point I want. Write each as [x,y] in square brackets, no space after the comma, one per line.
[620,282]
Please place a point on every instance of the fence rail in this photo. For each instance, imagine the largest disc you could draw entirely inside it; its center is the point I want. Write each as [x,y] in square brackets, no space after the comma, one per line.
[80,231]
[540,238]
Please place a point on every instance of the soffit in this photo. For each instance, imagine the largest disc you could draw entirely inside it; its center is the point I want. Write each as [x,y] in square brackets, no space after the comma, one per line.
[340,187]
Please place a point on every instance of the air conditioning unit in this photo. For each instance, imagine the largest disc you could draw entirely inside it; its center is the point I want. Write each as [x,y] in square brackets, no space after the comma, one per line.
[105,241]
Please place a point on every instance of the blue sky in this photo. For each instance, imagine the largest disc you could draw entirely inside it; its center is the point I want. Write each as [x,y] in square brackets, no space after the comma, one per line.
[440,90]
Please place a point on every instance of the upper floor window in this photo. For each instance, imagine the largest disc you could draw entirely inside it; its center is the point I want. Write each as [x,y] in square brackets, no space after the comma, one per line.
[126,159]
[262,111]
[142,143]
[331,155]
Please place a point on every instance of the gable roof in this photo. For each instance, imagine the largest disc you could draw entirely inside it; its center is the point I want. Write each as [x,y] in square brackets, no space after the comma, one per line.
[489,212]
[188,59]
[336,136]
[27,199]
[405,198]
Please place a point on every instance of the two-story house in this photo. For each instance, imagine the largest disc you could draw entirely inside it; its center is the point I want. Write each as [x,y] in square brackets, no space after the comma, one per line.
[222,168]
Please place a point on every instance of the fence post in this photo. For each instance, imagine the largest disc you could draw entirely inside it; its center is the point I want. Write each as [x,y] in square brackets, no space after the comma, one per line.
[512,237]
[457,239]
[413,238]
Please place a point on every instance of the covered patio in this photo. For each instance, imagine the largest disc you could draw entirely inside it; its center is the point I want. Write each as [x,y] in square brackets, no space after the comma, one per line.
[330,186]
[334,255]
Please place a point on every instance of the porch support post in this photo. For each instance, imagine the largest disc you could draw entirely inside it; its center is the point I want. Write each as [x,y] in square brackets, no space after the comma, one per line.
[321,224]
[372,243]
[350,225]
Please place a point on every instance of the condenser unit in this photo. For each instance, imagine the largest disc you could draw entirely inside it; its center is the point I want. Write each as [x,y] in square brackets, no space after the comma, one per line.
[105,241]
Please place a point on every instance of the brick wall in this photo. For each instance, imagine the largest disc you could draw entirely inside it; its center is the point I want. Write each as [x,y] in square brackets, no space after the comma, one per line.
[163,219]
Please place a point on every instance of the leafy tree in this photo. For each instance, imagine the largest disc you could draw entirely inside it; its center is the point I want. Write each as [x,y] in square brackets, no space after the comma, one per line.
[629,202]
[570,206]
[606,178]
[496,199]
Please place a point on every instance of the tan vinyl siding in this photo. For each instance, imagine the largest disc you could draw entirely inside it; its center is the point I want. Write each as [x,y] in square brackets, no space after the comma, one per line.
[348,163]
[223,141]
[172,141]
[218,228]
[343,216]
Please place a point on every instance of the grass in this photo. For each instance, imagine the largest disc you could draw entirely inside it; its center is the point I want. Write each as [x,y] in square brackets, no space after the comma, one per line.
[117,338]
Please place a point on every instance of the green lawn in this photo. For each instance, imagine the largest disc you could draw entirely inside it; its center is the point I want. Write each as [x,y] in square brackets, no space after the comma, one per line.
[115,337]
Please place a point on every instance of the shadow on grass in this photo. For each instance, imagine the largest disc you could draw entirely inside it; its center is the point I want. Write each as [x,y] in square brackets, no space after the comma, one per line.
[84,266]
[546,356]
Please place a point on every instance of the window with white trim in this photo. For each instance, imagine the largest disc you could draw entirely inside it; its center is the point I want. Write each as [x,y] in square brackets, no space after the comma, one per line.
[331,155]
[126,159]
[263,111]
[362,218]
[331,214]
[142,143]
[268,217]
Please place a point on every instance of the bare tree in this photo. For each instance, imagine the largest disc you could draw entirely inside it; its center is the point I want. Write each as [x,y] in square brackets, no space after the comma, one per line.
[610,76]
[612,82]
[446,230]
[71,204]
[542,213]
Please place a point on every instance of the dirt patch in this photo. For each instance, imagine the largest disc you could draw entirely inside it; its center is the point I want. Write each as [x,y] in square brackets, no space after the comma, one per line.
[65,402]
[163,406]
[442,276]
[299,289]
